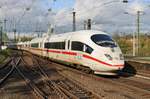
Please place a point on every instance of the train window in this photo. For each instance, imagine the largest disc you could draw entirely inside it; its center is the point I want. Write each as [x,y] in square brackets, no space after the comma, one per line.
[88,49]
[35,45]
[55,45]
[60,45]
[103,40]
[78,46]
[46,45]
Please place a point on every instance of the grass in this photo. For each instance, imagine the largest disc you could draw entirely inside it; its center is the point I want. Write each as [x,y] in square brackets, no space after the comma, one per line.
[4,54]
[126,45]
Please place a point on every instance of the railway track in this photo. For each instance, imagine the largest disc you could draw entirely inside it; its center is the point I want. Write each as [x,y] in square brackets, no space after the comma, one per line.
[141,82]
[36,90]
[64,86]
[121,85]
[131,82]
[44,87]
[5,63]
[9,69]
[49,82]
[135,81]
[13,65]
[50,89]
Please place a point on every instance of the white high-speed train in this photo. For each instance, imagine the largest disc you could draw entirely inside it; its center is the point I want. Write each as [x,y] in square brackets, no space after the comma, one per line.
[91,49]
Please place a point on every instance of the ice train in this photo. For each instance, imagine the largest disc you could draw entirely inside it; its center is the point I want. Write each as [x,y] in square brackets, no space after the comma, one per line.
[91,49]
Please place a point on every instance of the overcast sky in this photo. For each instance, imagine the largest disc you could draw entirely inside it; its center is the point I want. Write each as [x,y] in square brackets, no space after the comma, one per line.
[106,15]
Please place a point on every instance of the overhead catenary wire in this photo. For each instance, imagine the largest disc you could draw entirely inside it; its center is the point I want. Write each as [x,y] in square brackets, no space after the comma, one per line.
[25,12]
[98,6]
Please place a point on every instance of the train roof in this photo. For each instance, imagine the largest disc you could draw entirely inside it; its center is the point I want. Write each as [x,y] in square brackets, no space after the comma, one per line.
[19,43]
[63,36]
[78,35]
[35,40]
[81,32]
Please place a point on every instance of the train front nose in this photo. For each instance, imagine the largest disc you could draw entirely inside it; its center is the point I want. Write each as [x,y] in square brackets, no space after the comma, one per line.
[115,60]
[118,62]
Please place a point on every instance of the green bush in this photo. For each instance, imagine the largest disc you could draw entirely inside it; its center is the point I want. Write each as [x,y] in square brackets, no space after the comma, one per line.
[126,45]
[4,54]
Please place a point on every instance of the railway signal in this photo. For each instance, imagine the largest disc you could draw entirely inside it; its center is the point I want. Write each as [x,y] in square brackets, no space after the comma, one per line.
[74,21]
[1,34]
[15,35]
[85,22]
[89,24]
[125,1]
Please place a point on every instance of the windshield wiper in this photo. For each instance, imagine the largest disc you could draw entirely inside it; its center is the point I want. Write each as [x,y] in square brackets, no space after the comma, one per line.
[101,42]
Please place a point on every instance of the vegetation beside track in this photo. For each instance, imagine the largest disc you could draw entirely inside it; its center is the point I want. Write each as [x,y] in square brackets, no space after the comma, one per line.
[126,44]
[4,54]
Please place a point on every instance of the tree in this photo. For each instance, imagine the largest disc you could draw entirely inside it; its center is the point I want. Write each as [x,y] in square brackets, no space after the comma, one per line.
[5,37]
[25,38]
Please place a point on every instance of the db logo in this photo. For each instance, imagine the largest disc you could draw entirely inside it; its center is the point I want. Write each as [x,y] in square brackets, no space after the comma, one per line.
[79,56]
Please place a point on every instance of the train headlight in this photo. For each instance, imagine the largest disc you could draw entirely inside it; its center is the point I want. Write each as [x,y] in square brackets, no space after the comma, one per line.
[108,56]
[121,57]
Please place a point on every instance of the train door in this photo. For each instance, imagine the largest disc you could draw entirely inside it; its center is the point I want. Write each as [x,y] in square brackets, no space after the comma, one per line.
[77,48]
[68,43]
[44,49]
[67,56]
[41,48]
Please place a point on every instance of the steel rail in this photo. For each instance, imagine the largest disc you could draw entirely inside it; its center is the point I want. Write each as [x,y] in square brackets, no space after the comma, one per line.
[68,93]
[9,73]
[5,63]
[49,82]
[36,90]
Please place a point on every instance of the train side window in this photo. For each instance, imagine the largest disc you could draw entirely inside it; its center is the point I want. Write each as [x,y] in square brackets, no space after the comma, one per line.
[78,46]
[62,45]
[35,45]
[59,45]
[55,45]
[88,49]
[46,45]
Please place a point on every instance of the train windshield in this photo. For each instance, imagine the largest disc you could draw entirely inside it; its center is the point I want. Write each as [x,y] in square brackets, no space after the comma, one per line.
[103,40]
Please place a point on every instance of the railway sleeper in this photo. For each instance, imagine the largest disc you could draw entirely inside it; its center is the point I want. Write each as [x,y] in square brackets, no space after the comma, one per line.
[83,68]
[70,85]
[74,90]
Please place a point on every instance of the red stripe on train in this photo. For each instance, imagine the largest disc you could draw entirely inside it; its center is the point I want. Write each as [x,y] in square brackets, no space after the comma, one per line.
[89,57]
[85,56]
[54,51]
[69,53]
